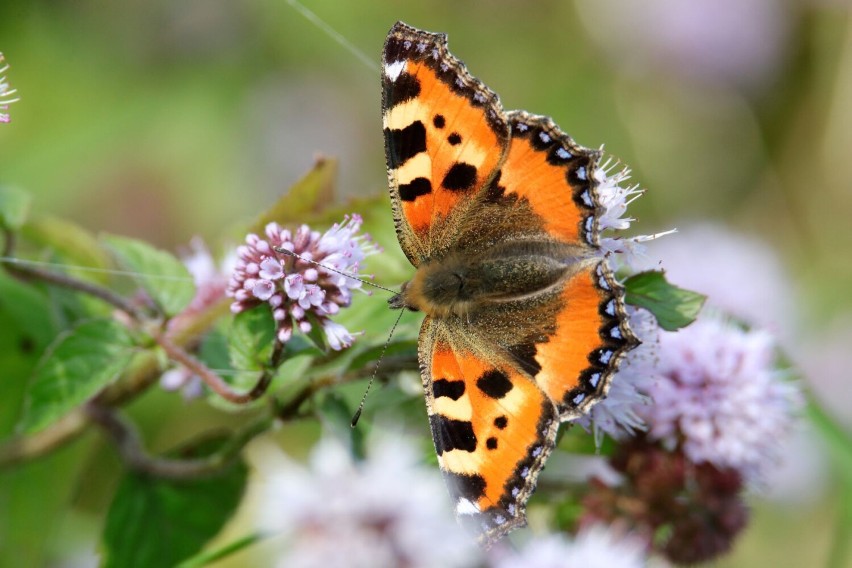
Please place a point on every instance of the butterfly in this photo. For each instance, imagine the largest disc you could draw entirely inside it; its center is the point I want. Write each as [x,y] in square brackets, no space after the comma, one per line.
[525,322]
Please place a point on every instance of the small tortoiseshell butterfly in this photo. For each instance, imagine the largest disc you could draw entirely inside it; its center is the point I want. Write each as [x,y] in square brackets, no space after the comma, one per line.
[525,323]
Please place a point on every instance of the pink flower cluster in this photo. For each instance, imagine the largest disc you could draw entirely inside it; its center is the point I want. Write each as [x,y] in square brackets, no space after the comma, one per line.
[304,288]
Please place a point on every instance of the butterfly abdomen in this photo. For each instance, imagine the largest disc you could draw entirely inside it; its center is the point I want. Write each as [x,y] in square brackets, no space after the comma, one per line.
[459,284]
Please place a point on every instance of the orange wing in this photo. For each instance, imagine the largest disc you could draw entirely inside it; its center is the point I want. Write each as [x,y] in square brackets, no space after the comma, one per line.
[545,168]
[493,429]
[572,356]
[445,137]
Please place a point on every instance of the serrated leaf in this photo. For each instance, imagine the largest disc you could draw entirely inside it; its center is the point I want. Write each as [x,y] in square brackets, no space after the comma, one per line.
[251,339]
[14,207]
[155,522]
[304,199]
[160,273]
[80,363]
[673,307]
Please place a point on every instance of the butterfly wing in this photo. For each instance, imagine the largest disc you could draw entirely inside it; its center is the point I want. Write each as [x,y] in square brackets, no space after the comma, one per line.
[445,137]
[493,429]
[570,339]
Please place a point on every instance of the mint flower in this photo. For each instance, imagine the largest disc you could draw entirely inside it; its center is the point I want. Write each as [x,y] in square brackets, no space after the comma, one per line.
[596,546]
[300,292]
[386,510]
[719,397]
[6,91]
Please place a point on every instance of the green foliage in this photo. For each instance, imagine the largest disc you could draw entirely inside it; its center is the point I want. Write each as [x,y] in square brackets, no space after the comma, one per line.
[251,339]
[162,275]
[155,522]
[673,307]
[80,362]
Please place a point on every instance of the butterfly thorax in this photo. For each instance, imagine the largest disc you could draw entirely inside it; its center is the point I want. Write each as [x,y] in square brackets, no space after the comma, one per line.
[461,282]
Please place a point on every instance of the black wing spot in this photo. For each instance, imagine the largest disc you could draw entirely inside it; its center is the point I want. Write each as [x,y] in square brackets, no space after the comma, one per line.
[439,121]
[501,422]
[460,177]
[405,88]
[469,486]
[525,356]
[454,139]
[452,434]
[491,443]
[413,190]
[450,389]
[404,144]
[494,384]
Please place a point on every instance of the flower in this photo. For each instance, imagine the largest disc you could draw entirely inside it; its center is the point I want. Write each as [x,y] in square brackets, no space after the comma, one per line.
[719,396]
[6,91]
[617,415]
[312,283]
[689,512]
[387,510]
[615,198]
[594,547]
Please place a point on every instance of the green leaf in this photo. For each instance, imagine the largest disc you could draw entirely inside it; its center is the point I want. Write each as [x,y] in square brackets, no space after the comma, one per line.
[14,207]
[673,307]
[306,198]
[251,339]
[80,363]
[160,522]
[160,273]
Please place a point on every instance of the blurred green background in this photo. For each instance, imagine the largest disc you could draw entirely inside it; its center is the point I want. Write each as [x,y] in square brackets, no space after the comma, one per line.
[164,120]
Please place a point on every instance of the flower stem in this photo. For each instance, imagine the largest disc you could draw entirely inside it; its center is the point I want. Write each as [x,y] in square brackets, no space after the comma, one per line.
[129,444]
[214,381]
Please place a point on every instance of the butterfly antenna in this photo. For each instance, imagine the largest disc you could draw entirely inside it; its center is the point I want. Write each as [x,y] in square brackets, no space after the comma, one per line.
[375,371]
[329,268]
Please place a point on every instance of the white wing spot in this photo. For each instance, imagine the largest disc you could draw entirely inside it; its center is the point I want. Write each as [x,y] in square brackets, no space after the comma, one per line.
[606,356]
[421,47]
[500,519]
[563,153]
[578,399]
[610,307]
[521,127]
[596,378]
[544,137]
[587,198]
[581,173]
[394,70]
[536,452]
[515,491]
[466,507]
[616,333]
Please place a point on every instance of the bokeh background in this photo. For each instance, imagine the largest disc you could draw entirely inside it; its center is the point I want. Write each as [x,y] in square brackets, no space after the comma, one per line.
[165,120]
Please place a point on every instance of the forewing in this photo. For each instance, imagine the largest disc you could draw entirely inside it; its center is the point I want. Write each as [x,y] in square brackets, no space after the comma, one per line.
[493,428]
[445,137]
